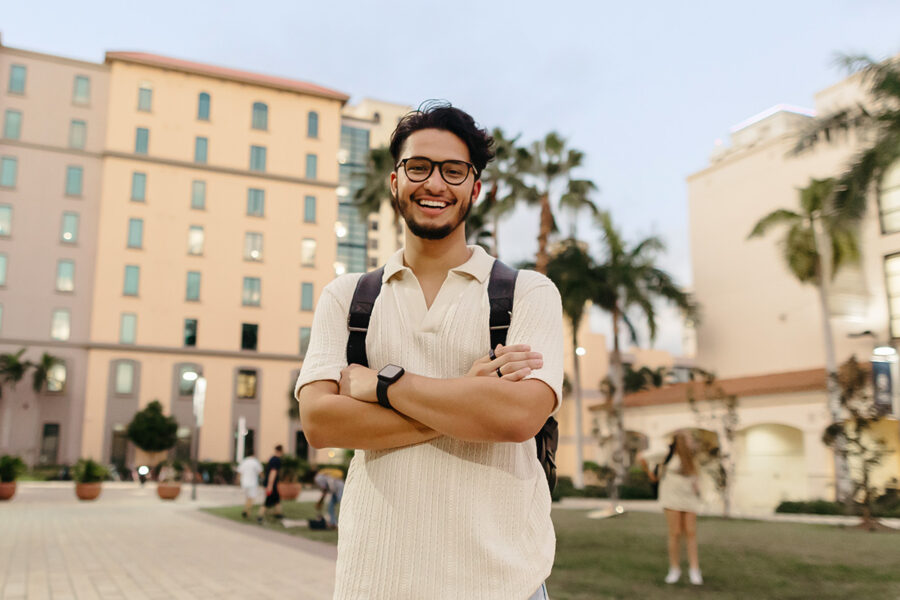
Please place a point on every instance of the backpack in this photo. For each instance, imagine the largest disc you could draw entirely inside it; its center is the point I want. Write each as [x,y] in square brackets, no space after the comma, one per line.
[501,287]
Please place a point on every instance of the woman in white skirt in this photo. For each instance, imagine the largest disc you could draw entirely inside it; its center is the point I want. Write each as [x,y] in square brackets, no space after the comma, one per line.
[679,495]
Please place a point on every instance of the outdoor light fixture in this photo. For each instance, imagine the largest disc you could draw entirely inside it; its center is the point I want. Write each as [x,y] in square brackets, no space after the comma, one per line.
[340,268]
[189,376]
[580,351]
[340,230]
[884,351]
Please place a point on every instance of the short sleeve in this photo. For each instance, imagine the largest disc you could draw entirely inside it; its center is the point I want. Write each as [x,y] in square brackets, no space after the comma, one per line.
[326,355]
[537,321]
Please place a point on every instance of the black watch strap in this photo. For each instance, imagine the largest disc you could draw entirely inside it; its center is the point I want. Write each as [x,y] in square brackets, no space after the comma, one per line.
[381,391]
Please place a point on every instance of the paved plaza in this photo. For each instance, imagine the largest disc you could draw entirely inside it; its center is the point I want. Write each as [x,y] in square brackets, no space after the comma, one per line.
[130,544]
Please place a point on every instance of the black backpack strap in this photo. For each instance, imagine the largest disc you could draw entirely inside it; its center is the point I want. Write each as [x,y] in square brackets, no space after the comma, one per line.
[367,289]
[501,288]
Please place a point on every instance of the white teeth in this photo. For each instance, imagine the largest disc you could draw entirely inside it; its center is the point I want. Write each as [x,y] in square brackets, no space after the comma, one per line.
[432,204]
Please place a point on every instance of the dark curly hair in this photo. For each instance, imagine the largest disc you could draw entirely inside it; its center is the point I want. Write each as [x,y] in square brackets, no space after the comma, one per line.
[439,114]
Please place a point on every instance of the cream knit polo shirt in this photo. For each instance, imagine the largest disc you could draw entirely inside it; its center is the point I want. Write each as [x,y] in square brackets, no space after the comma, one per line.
[445,519]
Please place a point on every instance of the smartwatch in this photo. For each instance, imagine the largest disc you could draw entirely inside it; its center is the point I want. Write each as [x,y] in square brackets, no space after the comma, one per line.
[386,376]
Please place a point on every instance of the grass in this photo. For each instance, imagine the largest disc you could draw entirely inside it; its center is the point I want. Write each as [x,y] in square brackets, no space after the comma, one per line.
[625,557]
[292,510]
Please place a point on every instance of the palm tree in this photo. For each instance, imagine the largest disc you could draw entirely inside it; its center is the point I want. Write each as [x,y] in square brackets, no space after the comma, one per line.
[375,187]
[541,168]
[41,374]
[819,224]
[627,279]
[879,124]
[12,369]
[571,268]
[500,177]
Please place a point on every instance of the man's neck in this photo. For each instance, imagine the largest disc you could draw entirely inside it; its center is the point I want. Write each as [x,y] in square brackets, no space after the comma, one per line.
[434,258]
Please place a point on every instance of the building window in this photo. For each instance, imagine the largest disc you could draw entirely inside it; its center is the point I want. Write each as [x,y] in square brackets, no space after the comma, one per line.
[16,79]
[74,181]
[889,199]
[132,280]
[141,140]
[77,134]
[311,166]
[312,124]
[253,246]
[309,209]
[145,97]
[81,92]
[5,221]
[127,328]
[193,286]
[190,332]
[65,276]
[138,186]
[9,167]
[246,384]
[260,116]
[373,244]
[252,291]
[258,158]
[2,269]
[12,124]
[49,444]
[198,194]
[203,107]
[60,324]
[187,377]
[135,233]
[256,202]
[56,378]
[201,145]
[308,252]
[306,296]
[124,378]
[892,284]
[249,333]
[195,240]
[305,332]
[69,232]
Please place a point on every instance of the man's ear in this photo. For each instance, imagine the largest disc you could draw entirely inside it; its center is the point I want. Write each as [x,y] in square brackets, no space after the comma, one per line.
[393,184]
[476,190]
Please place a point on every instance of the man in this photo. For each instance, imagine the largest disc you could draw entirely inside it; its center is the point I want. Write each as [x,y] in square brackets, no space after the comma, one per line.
[445,497]
[249,469]
[331,482]
[273,499]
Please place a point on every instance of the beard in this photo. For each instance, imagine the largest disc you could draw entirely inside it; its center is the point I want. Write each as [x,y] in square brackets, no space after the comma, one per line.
[427,232]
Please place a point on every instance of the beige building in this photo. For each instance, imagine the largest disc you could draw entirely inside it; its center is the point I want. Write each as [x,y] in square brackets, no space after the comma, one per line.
[761,331]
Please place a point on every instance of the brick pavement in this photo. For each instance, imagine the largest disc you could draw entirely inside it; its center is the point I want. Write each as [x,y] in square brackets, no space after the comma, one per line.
[129,544]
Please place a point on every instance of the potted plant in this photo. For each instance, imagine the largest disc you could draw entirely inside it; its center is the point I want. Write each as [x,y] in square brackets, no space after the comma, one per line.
[10,468]
[292,469]
[152,431]
[89,476]
[169,479]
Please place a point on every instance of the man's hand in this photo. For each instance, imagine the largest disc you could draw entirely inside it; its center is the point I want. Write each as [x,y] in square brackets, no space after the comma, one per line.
[359,382]
[515,363]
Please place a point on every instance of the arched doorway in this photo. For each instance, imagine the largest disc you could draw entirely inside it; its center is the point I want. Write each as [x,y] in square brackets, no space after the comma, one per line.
[770,467]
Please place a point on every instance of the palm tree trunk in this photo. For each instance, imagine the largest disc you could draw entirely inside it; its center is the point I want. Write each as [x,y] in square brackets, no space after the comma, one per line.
[543,256]
[578,480]
[618,408]
[496,235]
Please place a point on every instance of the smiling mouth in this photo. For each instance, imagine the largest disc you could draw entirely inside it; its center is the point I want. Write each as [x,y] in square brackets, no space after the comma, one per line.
[434,204]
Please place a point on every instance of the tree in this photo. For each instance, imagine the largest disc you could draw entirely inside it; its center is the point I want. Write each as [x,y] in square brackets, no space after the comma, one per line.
[571,268]
[540,170]
[12,369]
[812,229]
[151,430]
[627,279]
[375,187]
[877,124]
[41,373]
[850,436]
[500,177]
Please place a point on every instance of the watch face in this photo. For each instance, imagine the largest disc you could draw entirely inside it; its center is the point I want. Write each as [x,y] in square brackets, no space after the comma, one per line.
[390,372]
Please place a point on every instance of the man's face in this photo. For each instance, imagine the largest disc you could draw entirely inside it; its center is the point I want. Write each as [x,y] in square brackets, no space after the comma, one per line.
[434,222]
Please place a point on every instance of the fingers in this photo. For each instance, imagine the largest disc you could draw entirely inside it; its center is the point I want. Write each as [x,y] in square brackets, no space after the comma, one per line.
[513,361]
[518,375]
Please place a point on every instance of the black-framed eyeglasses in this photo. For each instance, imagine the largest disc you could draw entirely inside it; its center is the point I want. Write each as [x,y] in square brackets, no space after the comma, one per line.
[420,168]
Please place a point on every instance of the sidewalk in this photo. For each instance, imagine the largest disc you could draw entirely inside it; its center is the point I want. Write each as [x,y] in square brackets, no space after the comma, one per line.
[130,544]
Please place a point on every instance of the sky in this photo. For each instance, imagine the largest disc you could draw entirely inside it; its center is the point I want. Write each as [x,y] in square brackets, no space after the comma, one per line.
[643,89]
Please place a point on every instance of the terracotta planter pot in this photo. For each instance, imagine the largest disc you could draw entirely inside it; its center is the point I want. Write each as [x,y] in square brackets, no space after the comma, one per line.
[7,490]
[87,491]
[168,491]
[289,491]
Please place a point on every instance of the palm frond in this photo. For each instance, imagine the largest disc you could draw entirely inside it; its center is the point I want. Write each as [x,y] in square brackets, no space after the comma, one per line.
[778,217]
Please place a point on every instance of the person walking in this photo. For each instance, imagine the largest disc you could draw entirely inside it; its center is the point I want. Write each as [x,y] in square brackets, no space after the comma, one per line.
[331,482]
[249,469]
[679,495]
[445,497]
[273,499]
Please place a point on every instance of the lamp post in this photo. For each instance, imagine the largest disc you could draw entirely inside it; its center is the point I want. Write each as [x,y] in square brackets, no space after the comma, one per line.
[578,480]
[199,401]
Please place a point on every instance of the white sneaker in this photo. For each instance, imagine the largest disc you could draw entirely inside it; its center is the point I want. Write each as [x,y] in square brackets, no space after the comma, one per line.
[696,577]
[674,575]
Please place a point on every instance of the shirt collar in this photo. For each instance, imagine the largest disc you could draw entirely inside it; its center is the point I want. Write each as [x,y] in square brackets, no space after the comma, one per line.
[478,266]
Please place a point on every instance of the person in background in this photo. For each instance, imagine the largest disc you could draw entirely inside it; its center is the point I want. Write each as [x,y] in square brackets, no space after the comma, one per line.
[679,495]
[249,469]
[273,499]
[330,481]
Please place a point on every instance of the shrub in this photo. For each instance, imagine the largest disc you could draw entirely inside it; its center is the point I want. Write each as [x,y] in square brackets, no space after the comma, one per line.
[215,472]
[293,468]
[637,486]
[89,471]
[566,489]
[151,430]
[10,468]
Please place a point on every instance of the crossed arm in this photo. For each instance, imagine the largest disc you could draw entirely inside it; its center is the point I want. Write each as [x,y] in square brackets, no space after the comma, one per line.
[346,414]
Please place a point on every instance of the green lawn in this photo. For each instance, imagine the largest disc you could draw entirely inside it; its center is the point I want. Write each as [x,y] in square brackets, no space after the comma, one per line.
[625,557]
